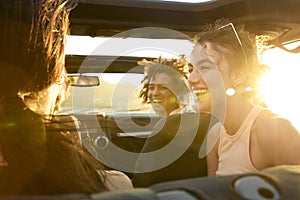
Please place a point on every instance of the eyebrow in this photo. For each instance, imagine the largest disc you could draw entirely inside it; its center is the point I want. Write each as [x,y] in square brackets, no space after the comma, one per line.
[165,85]
[201,62]
[160,84]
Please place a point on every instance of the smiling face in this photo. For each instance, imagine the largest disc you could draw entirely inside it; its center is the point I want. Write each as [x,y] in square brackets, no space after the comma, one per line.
[208,77]
[161,94]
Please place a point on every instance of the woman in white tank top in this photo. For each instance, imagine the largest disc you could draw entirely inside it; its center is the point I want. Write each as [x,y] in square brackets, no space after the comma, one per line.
[225,78]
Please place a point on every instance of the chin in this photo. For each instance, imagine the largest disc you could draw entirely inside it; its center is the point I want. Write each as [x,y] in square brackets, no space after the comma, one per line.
[204,108]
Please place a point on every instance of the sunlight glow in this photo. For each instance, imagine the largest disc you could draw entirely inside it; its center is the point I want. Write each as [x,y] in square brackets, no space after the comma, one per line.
[280,87]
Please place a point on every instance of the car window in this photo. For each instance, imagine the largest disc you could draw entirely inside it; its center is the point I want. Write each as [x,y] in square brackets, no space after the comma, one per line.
[111,108]
[119,91]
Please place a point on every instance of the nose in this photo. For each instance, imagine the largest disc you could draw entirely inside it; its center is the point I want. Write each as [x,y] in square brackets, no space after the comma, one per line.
[194,77]
[155,91]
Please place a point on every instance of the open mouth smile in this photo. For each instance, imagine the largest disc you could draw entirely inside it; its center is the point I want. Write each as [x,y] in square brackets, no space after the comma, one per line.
[200,92]
[157,101]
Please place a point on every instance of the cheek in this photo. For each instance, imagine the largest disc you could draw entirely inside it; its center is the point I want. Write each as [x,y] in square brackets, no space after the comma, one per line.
[167,94]
[216,82]
[226,79]
[211,78]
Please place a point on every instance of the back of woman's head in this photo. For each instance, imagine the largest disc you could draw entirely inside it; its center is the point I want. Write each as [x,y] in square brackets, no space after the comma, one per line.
[38,161]
[33,34]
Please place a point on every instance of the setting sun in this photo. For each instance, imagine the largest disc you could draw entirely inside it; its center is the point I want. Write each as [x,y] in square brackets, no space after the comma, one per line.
[280,86]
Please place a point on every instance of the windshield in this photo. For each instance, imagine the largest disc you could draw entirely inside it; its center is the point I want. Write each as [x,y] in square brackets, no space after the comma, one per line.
[117,92]
[120,86]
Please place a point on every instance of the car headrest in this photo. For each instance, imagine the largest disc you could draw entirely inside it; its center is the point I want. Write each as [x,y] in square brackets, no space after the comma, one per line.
[280,183]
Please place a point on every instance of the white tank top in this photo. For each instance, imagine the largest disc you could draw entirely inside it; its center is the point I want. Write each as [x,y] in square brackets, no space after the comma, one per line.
[234,150]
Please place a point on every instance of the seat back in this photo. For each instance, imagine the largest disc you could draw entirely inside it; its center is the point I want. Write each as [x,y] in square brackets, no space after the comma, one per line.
[186,127]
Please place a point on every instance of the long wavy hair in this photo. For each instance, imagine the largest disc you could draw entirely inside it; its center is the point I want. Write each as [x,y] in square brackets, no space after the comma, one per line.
[33,37]
[38,157]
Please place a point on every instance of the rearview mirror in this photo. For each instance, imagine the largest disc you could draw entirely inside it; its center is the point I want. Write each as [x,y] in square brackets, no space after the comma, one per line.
[83,80]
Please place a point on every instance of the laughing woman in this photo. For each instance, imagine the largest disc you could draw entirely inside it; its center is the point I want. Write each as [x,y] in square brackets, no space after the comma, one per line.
[165,86]
[252,138]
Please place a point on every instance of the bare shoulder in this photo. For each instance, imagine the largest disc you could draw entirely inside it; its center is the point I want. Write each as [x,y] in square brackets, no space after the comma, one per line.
[116,180]
[269,123]
[271,132]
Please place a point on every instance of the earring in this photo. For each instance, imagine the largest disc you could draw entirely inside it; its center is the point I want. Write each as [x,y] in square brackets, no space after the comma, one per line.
[230,92]
[61,81]
[248,89]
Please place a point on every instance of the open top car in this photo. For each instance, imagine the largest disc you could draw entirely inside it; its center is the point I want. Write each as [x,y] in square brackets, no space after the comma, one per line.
[112,36]
[108,39]
[107,52]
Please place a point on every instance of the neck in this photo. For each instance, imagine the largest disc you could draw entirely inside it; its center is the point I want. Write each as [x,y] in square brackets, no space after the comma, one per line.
[237,110]
[43,102]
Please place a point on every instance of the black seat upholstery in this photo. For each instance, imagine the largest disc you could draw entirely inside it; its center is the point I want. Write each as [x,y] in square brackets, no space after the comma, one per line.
[189,164]
[276,183]
[280,183]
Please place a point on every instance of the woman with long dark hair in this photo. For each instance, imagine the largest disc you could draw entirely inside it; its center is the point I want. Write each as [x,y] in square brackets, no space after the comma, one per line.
[37,158]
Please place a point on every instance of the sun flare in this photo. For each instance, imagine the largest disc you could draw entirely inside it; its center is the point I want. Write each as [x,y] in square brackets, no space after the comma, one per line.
[280,86]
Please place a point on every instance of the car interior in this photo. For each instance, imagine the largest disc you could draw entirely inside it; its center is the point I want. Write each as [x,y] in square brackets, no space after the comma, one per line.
[107,40]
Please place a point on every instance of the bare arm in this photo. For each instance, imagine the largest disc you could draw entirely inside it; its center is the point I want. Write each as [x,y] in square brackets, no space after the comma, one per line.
[212,147]
[212,161]
[280,142]
[116,180]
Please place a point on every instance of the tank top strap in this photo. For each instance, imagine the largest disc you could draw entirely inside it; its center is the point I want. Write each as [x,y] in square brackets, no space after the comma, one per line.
[250,119]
